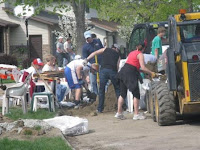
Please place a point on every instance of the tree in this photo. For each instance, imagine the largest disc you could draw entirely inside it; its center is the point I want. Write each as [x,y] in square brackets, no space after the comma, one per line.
[79,11]
[130,12]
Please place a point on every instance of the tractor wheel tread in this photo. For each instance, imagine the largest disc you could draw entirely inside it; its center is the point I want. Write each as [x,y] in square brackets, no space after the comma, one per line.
[166,105]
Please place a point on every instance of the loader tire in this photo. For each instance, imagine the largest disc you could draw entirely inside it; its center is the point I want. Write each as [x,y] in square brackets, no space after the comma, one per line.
[165,109]
[151,98]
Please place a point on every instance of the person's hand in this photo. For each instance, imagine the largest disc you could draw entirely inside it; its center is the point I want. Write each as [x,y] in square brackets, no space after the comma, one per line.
[85,62]
[80,82]
[153,75]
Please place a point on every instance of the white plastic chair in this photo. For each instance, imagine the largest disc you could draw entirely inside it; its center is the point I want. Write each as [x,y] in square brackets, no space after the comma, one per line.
[16,74]
[18,91]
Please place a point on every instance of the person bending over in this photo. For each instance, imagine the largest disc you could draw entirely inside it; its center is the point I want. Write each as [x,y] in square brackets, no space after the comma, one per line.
[129,76]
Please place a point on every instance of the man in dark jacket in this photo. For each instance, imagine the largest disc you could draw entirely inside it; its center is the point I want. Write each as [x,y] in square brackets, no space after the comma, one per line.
[89,47]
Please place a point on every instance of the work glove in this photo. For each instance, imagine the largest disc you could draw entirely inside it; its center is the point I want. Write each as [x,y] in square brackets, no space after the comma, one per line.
[85,62]
[80,82]
[153,75]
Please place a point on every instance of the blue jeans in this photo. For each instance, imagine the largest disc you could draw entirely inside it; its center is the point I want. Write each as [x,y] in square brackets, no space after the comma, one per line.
[93,83]
[105,75]
[61,89]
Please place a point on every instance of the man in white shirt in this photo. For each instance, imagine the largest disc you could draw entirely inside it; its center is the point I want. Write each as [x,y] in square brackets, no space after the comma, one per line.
[74,75]
[68,49]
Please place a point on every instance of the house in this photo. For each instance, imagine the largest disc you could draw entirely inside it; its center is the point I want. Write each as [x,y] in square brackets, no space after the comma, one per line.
[107,32]
[13,33]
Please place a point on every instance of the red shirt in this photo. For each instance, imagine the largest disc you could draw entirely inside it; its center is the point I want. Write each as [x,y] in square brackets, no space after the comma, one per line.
[132,59]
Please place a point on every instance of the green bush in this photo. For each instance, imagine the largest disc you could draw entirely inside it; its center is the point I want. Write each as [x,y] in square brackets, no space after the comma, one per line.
[8,59]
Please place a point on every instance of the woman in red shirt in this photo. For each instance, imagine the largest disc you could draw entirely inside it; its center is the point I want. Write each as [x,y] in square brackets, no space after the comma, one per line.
[129,76]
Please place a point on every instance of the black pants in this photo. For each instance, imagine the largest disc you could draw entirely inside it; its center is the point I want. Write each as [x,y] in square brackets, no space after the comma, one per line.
[123,91]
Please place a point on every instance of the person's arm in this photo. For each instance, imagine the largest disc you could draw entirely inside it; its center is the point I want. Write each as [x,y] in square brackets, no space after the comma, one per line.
[142,65]
[78,71]
[96,53]
[156,53]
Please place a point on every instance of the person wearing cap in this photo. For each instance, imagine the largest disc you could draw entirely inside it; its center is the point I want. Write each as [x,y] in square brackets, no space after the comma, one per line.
[89,47]
[74,74]
[109,68]
[69,54]
[60,51]
[36,64]
[156,48]
[128,77]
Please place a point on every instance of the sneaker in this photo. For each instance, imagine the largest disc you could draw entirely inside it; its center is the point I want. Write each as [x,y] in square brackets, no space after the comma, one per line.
[119,116]
[139,117]
[98,112]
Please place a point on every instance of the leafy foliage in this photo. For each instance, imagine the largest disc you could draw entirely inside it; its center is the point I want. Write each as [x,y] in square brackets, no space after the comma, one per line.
[9,60]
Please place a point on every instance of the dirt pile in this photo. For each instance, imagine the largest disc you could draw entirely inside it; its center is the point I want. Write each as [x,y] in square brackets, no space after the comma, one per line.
[110,105]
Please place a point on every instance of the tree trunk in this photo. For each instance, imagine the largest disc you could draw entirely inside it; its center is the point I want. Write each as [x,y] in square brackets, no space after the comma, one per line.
[79,11]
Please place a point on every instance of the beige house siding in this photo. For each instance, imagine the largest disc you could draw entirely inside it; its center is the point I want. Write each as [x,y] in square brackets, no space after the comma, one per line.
[18,34]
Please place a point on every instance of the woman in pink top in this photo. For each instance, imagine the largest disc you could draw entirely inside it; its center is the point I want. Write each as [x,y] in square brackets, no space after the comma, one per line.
[129,76]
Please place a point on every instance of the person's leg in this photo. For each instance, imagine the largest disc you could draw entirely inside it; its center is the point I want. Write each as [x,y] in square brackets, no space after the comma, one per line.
[120,103]
[78,94]
[93,83]
[123,93]
[59,59]
[112,77]
[103,81]
[136,95]
[136,105]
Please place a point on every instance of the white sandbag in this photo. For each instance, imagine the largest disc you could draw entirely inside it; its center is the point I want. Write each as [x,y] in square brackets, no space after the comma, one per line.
[67,104]
[69,125]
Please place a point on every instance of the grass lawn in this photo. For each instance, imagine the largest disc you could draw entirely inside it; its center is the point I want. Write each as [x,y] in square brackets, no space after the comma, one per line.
[16,113]
[8,81]
[56,143]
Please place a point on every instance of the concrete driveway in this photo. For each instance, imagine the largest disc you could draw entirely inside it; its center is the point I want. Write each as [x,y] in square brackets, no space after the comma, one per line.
[108,133]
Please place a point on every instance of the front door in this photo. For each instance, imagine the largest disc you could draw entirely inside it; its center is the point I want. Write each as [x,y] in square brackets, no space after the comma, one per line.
[35,46]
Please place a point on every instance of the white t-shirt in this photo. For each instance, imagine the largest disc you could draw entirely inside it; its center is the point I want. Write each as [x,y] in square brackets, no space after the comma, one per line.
[149,58]
[67,46]
[75,63]
[49,68]
[30,70]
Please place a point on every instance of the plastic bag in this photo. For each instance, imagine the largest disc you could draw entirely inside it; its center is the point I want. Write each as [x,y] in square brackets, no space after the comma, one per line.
[69,125]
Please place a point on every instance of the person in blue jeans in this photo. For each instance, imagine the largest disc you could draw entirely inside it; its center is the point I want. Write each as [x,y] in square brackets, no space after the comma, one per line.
[89,47]
[109,68]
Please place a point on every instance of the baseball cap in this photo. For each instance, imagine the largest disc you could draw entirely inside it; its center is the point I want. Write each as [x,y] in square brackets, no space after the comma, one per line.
[38,61]
[87,34]
[60,37]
